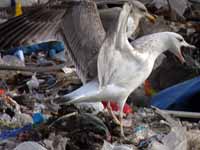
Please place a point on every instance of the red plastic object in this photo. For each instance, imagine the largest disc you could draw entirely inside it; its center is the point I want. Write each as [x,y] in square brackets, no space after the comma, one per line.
[115,107]
[2,92]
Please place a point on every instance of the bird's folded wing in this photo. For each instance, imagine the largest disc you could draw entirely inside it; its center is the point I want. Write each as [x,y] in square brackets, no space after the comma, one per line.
[84,35]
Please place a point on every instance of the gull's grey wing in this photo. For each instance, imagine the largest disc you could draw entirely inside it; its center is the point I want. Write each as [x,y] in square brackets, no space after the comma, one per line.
[109,16]
[36,25]
[84,35]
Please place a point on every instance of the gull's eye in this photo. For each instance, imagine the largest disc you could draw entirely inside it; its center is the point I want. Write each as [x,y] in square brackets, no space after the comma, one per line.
[142,10]
[180,39]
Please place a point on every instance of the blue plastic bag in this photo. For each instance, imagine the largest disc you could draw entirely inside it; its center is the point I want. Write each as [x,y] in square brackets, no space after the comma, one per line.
[178,96]
[13,133]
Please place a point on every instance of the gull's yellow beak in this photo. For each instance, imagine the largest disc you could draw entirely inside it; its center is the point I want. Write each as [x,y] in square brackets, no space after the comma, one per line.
[151,18]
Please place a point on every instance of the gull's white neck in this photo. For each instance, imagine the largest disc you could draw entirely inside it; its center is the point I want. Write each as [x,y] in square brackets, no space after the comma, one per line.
[132,25]
[152,46]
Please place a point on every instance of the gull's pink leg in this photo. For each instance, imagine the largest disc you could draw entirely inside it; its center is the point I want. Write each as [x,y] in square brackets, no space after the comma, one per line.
[116,120]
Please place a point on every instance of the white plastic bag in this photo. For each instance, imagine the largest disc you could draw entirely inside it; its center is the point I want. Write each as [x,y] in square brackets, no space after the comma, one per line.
[29,146]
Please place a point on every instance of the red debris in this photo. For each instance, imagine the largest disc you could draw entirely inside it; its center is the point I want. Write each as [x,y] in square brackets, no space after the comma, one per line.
[2,92]
[115,107]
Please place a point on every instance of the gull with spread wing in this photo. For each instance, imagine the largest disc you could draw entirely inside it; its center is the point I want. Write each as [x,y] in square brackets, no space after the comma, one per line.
[93,29]
[123,67]
[84,30]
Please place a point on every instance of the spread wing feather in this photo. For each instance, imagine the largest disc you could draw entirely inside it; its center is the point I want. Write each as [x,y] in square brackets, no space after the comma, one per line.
[37,24]
[84,35]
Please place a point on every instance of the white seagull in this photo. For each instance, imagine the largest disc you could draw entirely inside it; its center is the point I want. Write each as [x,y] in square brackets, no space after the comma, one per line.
[123,67]
[84,31]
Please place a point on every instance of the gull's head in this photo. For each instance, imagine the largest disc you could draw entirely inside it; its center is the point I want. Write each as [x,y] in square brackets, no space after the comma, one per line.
[141,11]
[176,42]
[138,11]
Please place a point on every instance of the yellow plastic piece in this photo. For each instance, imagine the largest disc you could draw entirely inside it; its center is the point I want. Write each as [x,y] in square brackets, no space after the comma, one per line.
[18,9]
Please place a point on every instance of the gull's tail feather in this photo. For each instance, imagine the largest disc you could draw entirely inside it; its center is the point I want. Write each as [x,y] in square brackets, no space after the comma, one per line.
[62,99]
[90,92]
[86,93]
